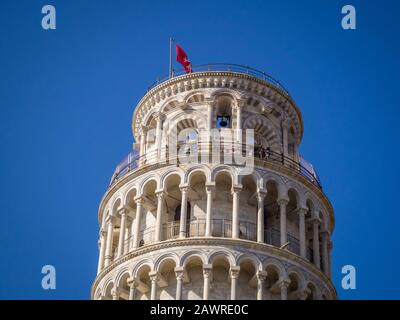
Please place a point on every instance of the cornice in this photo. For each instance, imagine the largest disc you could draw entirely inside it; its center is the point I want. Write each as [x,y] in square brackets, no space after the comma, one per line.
[153,96]
[232,243]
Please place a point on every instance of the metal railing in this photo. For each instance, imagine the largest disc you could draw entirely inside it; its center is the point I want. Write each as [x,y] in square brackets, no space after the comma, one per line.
[219,228]
[228,67]
[134,160]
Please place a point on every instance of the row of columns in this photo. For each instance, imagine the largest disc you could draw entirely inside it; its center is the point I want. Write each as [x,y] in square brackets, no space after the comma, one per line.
[234,272]
[106,238]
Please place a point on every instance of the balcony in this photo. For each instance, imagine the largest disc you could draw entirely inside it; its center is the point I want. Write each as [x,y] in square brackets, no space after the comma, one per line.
[221,228]
[261,156]
[225,67]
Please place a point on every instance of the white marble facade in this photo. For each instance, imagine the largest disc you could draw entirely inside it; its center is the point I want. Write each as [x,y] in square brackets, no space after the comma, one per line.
[203,229]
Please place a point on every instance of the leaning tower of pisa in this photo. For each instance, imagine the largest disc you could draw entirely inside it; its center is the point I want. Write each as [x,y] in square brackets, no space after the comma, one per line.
[215,201]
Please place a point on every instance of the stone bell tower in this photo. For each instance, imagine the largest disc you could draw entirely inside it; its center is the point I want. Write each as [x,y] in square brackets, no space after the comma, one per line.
[182,225]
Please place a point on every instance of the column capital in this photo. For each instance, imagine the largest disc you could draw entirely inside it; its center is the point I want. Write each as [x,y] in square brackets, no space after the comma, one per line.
[261,195]
[143,130]
[179,273]
[283,201]
[115,293]
[234,272]
[159,117]
[302,211]
[123,211]
[138,199]
[103,232]
[314,220]
[110,219]
[131,282]
[184,187]
[207,269]
[160,193]
[210,187]
[236,188]
[283,283]
[261,275]
[153,276]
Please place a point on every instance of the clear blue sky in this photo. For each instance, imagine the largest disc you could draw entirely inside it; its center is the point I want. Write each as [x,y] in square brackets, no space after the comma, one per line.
[67,98]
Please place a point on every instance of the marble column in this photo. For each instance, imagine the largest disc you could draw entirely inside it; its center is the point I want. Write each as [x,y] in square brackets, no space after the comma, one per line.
[115,293]
[183,219]
[121,241]
[260,217]
[239,123]
[209,191]
[160,205]
[302,232]
[132,288]
[283,285]
[103,235]
[315,222]
[159,119]
[325,255]
[136,234]
[109,243]
[261,276]
[207,270]
[235,212]
[179,280]
[282,219]
[234,273]
[153,279]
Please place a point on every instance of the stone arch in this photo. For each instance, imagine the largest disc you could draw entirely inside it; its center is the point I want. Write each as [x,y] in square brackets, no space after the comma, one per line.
[250,257]
[164,257]
[233,94]
[117,204]
[196,169]
[222,253]
[255,176]
[129,194]
[217,170]
[171,172]
[261,126]
[141,264]
[125,270]
[190,254]
[300,276]
[148,179]
[278,266]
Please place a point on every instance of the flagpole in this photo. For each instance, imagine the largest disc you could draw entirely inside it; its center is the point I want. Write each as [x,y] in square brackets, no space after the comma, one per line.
[171,71]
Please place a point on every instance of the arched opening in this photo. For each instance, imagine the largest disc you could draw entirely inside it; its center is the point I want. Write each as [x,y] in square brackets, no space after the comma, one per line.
[292,219]
[222,206]
[248,209]
[149,213]
[172,200]
[197,210]
[247,282]
[130,225]
[123,288]
[167,280]
[312,292]
[223,112]
[271,214]
[309,230]
[108,291]
[143,283]
[271,288]
[294,286]
[192,288]
[221,280]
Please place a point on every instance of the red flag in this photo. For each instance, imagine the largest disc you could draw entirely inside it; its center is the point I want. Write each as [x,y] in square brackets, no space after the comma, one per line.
[183,59]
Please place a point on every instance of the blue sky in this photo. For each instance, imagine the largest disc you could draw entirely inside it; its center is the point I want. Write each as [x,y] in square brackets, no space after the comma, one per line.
[67,98]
